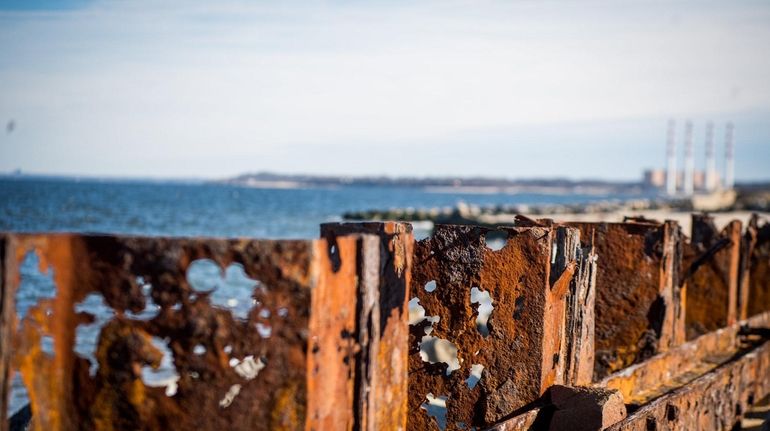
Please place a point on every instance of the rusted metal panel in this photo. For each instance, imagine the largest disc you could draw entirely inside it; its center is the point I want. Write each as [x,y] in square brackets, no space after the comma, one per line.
[639,309]
[286,362]
[748,242]
[759,270]
[713,401]
[7,317]
[383,322]
[521,354]
[710,273]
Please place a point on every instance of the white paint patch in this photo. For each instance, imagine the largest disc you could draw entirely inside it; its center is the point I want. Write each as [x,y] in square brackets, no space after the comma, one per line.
[248,368]
[230,396]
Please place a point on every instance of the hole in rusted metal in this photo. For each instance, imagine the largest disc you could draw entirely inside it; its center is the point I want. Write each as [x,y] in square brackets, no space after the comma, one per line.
[234,291]
[435,407]
[495,240]
[151,309]
[35,285]
[46,345]
[475,376]
[87,334]
[434,350]
[430,286]
[416,311]
[417,315]
[672,412]
[199,349]
[334,256]
[165,375]
[264,330]
[484,309]
[18,397]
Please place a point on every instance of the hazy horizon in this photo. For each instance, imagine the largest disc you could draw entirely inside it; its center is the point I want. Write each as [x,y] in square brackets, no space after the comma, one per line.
[523,89]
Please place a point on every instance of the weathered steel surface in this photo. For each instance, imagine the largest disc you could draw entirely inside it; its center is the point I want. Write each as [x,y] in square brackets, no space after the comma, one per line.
[232,375]
[662,373]
[759,269]
[639,310]
[580,319]
[710,271]
[383,322]
[585,409]
[522,353]
[713,401]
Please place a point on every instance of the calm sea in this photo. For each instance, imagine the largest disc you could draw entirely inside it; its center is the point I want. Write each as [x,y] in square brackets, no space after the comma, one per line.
[182,209]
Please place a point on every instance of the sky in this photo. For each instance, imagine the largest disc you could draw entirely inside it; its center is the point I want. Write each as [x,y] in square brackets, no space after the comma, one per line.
[517,89]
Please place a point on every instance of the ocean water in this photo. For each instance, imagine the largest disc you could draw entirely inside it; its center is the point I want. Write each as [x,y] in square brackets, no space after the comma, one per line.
[153,208]
[184,209]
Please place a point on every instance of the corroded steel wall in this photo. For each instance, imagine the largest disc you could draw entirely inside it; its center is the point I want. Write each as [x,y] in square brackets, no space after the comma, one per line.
[366,329]
[639,310]
[284,364]
[522,354]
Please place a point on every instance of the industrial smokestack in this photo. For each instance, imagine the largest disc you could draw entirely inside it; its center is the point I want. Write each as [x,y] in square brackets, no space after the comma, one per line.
[711,161]
[729,153]
[670,159]
[689,160]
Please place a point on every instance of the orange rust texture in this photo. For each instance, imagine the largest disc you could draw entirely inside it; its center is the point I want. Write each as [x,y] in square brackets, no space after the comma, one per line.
[759,270]
[383,322]
[7,317]
[654,377]
[306,383]
[520,355]
[713,401]
[333,344]
[638,309]
[710,271]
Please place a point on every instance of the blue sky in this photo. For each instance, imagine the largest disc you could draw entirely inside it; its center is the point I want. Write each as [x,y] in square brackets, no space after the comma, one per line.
[515,89]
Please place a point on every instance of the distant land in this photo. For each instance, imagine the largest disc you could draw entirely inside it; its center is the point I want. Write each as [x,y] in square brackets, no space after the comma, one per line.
[442,184]
[453,184]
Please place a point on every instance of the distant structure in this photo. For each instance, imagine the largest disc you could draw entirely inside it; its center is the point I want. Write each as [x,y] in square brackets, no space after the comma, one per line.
[671,159]
[711,161]
[729,159]
[688,181]
[689,160]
